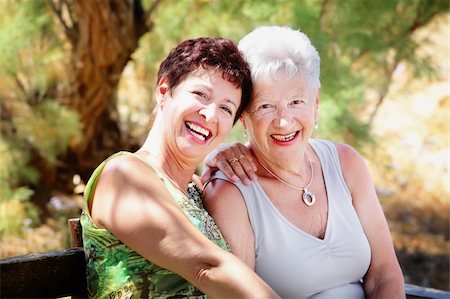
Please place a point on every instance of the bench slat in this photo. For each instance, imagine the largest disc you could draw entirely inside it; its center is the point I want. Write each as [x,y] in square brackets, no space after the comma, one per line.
[44,275]
[414,291]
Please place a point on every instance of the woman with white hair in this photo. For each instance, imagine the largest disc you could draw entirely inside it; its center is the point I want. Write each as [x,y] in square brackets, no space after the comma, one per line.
[311,224]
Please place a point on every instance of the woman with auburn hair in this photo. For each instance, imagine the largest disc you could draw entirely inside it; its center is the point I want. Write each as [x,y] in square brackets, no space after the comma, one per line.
[145,231]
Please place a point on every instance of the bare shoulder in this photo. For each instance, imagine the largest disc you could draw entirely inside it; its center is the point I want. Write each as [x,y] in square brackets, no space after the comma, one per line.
[351,160]
[128,174]
[354,168]
[347,154]
[128,168]
[220,193]
[124,179]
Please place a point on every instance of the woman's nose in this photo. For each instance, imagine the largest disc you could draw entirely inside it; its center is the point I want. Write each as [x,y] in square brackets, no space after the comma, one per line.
[209,112]
[283,117]
[283,122]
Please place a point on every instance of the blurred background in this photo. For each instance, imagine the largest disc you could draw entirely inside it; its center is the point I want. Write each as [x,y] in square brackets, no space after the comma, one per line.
[77,79]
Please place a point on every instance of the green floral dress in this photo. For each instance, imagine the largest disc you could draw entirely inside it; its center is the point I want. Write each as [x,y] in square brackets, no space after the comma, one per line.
[116,271]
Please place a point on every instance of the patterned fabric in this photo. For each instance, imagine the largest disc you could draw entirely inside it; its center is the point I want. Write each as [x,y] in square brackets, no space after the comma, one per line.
[116,271]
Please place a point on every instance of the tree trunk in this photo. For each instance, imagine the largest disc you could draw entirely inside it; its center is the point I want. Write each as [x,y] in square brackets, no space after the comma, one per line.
[103,34]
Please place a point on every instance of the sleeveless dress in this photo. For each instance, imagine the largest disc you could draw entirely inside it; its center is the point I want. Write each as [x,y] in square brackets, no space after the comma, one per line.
[298,265]
[116,271]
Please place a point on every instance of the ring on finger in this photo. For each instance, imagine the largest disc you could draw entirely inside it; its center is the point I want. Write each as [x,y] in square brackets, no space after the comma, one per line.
[233,160]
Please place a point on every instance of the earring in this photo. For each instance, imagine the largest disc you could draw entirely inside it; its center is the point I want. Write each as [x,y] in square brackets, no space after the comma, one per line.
[245,134]
[316,125]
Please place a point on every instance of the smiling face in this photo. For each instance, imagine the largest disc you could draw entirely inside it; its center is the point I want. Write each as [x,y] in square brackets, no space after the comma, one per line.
[280,119]
[198,112]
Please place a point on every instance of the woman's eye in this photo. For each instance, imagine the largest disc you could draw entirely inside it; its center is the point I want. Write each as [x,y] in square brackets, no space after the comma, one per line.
[297,102]
[227,110]
[265,106]
[200,94]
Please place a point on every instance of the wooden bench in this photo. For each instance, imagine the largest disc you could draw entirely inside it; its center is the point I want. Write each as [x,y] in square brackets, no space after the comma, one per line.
[53,274]
[62,273]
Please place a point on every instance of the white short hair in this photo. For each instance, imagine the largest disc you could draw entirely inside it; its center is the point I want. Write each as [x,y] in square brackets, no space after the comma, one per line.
[270,49]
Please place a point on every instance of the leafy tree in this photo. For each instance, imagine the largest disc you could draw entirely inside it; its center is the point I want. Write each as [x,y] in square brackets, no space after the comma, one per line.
[35,126]
[61,62]
[360,43]
[102,37]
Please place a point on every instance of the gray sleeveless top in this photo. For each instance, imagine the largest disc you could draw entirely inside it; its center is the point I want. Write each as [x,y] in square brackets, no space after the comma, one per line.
[298,265]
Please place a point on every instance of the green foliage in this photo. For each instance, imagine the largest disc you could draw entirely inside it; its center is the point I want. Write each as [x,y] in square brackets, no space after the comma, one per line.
[14,208]
[16,213]
[34,125]
[44,130]
[48,128]
[14,168]
[19,24]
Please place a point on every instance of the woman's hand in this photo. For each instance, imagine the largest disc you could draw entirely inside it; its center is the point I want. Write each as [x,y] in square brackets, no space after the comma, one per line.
[234,160]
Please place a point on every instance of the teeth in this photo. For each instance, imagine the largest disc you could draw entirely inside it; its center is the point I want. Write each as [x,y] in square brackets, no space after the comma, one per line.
[198,131]
[284,137]
[199,136]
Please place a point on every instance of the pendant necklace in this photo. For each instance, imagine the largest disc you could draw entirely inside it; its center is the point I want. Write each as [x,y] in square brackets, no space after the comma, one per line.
[308,197]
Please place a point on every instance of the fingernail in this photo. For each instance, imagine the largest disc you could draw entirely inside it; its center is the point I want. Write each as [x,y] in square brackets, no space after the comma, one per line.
[246,181]
[235,178]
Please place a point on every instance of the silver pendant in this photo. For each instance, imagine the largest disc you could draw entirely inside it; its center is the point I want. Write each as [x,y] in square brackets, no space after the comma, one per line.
[308,197]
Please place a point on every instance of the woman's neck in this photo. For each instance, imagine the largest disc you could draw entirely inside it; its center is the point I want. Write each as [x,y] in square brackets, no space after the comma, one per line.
[291,170]
[178,169]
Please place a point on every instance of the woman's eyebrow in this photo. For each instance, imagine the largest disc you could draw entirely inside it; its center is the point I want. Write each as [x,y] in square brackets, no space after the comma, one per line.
[231,102]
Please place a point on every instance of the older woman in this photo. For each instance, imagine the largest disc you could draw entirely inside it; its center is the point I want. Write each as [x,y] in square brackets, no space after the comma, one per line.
[146,234]
[311,224]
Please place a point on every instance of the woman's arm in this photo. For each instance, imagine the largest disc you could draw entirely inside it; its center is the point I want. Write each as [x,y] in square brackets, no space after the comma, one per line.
[132,202]
[225,204]
[384,279]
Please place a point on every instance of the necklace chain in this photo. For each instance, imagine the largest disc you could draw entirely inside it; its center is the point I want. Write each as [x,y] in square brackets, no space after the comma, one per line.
[308,197]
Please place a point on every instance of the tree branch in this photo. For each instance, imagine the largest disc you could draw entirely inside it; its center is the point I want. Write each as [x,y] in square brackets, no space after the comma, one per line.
[63,10]
[385,90]
[323,11]
[426,11]
[423,17]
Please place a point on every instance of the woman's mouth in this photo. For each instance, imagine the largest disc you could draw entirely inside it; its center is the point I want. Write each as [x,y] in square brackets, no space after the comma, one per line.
[285,138]
[198,132]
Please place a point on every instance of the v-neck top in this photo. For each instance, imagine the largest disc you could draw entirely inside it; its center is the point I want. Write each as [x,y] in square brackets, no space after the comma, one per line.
[295,263]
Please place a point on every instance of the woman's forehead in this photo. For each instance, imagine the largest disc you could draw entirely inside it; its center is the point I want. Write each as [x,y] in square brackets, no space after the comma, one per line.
[279,89]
